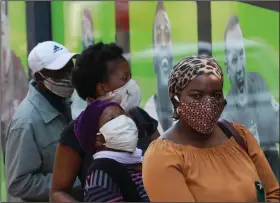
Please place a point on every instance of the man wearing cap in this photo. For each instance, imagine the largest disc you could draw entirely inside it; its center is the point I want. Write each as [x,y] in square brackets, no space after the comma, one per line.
[34,131]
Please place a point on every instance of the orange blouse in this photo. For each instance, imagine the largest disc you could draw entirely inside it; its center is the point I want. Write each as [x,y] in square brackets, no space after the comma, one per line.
[182,173]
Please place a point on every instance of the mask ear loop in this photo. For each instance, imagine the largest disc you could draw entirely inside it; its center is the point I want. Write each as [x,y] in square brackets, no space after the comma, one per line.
[99,133]
[89,100]
[39,73]
[175,100]
[177,109]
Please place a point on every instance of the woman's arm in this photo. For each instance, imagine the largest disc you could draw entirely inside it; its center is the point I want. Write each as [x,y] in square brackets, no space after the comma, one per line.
[162,174]
[66,167]
[264,170]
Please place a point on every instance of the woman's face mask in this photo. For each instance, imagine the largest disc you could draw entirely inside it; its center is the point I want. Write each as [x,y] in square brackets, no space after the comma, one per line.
[61,87]
[120,133]
[202,115]
[129,95]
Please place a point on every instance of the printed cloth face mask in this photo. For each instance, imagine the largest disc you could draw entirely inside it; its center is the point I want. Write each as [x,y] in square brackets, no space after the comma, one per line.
[202,115]
[61,87]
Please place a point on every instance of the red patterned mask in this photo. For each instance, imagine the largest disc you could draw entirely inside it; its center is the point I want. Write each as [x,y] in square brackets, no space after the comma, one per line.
[201,115]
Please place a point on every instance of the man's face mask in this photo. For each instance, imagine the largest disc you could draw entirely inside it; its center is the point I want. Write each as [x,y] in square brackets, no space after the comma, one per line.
[60,87]
[129,95]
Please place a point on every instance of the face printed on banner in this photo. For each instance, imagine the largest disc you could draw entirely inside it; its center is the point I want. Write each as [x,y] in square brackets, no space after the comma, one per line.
[162,64]
[162,45]
[87,25]
[236,60]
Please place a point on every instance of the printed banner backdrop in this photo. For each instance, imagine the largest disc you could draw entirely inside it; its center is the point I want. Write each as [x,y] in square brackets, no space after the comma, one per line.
[78,24]
[14,81]
[260,29]
[167,31]
[68,21]
[251,37]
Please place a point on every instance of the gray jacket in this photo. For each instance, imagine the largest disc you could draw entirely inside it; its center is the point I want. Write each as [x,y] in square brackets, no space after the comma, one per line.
[31,143]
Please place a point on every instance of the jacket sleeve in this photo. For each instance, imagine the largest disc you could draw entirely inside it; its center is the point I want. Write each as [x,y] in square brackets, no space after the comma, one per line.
[22,166]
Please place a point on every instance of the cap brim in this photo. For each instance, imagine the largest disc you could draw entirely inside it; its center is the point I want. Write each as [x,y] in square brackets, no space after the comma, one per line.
[61,61]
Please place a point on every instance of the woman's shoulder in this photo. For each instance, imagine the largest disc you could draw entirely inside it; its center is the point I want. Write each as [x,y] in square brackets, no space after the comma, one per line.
[143,120]
[248,137]
[140,114]
[68,131]
[242,130]
[69,139]
[164,150]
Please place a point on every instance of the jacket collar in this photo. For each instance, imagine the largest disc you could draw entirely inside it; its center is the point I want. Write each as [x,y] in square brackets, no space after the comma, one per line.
[43,106]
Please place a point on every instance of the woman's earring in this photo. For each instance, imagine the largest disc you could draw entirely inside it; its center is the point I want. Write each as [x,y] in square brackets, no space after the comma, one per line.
[177,111]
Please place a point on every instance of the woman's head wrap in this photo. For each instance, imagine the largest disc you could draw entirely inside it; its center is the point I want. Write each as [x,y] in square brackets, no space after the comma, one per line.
[87,124]
[189,68]
[186,70]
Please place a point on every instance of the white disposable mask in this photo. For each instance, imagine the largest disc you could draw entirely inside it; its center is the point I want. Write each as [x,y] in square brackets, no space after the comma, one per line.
[129,95]
[62,87]
[120,133]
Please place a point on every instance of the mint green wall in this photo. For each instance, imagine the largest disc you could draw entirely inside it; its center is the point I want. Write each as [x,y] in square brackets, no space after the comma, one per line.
[67,21]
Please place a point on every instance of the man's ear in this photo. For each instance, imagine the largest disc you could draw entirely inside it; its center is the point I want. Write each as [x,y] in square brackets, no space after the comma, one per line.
[38,77]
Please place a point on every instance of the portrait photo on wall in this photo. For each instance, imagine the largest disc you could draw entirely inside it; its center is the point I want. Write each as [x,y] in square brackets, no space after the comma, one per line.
[249,100]
[159,105]
[87,28]
[78,104]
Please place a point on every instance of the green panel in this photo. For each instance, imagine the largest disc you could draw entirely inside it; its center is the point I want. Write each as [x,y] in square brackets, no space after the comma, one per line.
[18,46]
[18,36]
[67,21]
[106,23]
[260,27]
[57,17]
[183,19]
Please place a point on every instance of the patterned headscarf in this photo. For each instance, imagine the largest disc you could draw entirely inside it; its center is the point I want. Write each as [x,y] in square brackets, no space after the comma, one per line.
[189,68]
[86,126]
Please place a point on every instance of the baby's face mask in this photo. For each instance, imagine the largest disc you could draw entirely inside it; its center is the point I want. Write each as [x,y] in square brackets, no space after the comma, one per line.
[121,133]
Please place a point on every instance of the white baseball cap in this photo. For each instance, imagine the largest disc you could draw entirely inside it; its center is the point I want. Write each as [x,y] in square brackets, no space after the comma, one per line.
[49,55]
